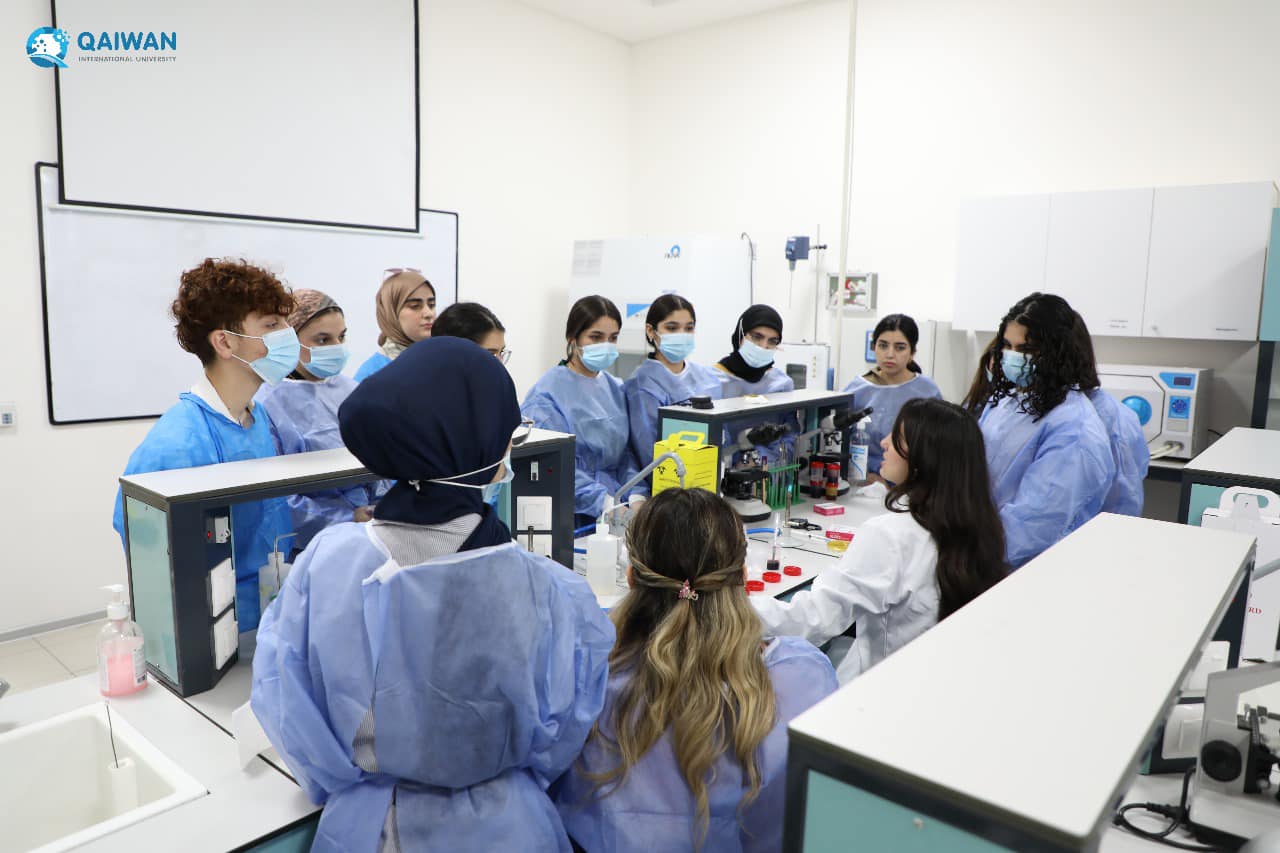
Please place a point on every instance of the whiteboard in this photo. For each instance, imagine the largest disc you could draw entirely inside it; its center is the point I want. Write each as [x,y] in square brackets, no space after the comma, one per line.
[109,276]
[304,110]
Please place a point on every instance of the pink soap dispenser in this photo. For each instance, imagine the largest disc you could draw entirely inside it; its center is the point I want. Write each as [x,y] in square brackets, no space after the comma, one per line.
[122,663]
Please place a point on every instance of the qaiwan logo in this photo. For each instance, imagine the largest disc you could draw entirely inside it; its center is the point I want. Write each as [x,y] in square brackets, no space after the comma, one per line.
[47,47]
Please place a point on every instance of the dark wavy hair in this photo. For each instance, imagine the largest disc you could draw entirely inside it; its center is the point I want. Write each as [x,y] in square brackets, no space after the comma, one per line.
[975,400]
[948,493]
[1059,365]
[1084,343]
[907,326]
[662,308]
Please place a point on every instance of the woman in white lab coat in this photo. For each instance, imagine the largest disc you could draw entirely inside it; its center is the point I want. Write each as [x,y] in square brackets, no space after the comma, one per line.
[939,546]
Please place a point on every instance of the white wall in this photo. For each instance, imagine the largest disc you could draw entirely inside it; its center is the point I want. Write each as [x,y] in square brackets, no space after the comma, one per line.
[953,99]
[525,133]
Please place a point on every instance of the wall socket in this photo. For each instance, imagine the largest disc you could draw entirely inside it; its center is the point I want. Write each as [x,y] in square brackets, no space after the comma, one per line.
[8,415]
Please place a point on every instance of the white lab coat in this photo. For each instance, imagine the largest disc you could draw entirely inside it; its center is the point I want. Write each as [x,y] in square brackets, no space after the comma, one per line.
[886,583]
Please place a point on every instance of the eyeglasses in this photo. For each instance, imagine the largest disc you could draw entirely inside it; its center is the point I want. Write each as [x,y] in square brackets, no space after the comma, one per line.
[390,271]
[522,432]
[503,355]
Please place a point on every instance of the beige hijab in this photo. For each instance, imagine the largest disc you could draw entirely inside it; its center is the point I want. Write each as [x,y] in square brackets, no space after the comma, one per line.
[392,296]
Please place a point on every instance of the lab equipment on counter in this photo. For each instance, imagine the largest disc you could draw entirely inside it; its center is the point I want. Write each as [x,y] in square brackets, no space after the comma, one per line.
[693,463]
[743,489]
[859,450]
[720,427]
[1172,404]
[180,560]
[122,665]
[1233,797]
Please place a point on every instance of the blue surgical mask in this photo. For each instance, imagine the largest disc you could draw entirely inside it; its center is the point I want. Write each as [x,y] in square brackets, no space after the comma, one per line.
[489,491]
[1018,367]
[281,359]
[754,354]
[327,361]
[676,346]
[598,357]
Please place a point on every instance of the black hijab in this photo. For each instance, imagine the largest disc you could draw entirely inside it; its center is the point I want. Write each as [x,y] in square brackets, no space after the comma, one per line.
[444,407]
[756,315]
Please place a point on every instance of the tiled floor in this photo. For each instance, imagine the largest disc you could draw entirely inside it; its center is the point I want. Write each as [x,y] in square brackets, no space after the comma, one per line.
[48,658]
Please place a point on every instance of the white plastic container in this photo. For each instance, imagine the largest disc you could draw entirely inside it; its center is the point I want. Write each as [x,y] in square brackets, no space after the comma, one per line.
[602,561]
[122,662]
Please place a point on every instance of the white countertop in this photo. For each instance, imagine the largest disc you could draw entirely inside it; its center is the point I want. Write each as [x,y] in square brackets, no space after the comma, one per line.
[1027,704]
[1242,452]
[276,470]
[241,807]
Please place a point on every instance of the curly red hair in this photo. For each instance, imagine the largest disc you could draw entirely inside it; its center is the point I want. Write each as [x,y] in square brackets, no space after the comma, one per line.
[220,294]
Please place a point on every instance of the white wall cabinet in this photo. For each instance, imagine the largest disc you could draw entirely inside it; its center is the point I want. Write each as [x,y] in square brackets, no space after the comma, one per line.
[1179,262]
[1208,252]
[1098,254]
[1000,256]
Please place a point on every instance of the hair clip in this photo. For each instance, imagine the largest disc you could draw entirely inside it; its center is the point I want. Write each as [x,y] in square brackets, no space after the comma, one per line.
[687,594]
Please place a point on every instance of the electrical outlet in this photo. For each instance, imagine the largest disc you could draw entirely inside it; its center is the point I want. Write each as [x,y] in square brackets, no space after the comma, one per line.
[533,511]
[538,543]
[8,415]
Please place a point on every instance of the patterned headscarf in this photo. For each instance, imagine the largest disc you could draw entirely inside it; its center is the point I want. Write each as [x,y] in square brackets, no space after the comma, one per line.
[309,303]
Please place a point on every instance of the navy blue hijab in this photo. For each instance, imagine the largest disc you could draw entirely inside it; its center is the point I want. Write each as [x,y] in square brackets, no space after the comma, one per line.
[443,407]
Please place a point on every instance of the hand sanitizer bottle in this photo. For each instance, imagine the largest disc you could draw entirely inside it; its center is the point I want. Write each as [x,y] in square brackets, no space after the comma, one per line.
[122,664]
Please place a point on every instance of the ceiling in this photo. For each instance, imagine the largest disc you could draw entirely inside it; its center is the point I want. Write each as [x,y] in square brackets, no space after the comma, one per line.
[638,20]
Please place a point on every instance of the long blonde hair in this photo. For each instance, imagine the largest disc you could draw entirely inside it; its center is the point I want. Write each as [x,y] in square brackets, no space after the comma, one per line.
[689,645]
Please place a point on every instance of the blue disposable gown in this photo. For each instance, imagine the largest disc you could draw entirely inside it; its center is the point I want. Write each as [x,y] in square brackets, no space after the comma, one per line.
[887,400]
[1048,477]
[1129,451]
[653,809]
[595,411]
[652,386]
[477,677]
[304,417]
[372,365]
[192,434]
[773,382]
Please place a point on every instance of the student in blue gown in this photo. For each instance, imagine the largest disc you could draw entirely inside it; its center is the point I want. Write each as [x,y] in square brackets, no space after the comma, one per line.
[233,317]
[406,307]
[304,413]
[578,396]
[1047,450]
[894,380]
[749,369]
[666,376]
[690,752]
[476,323]
[1129,450]
[424,677]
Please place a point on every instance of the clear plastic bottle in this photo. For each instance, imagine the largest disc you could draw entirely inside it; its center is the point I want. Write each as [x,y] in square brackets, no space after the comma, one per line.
[122,662]
[858,454]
